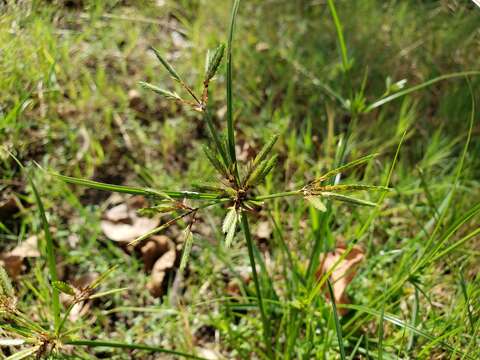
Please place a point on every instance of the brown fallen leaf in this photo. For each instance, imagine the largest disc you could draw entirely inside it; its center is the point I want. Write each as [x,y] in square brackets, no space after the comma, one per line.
[159,272]
[264,230]
[13,265]
[209,354]
[8,206]
[121,223]
[27,248]
[13,260]
[153,248]
[343,273]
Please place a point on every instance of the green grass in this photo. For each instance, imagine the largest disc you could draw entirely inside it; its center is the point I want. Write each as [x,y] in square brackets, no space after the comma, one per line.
[314,73]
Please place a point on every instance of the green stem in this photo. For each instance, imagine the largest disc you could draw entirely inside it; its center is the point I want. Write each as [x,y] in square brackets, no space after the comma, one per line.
[230,128]
[266,325]
[278,195]
[64,318]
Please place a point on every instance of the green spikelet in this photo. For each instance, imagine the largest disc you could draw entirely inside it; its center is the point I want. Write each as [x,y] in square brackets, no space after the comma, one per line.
[63,287]
[187,248]
[316,203]
[270,165]
[165,93]
[350,187]
[214,62]
[261,171]
[6,287]
[229,226]
[262,155]
[256,173]
[167,65]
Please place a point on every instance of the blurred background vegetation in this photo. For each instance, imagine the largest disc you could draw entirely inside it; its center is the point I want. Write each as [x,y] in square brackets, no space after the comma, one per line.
[70,101]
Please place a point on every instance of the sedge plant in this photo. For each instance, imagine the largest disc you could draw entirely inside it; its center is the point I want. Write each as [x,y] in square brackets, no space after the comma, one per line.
[237,184]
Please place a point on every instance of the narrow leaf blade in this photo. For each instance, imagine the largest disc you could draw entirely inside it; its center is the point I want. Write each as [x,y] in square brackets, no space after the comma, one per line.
[345,167]
[338,327]
[23,354]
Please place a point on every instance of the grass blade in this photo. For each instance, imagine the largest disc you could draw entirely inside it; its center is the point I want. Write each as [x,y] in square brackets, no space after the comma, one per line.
[51,260]
[380,334]
[134,190]
[265,321]
[345,167]
[463,286]
[341,39]
[108,292]
[130,346]
[107,187]
[400,323]
[425,84]
[215,137]
[230,129]
[338,327]
[215,161]
[23,354]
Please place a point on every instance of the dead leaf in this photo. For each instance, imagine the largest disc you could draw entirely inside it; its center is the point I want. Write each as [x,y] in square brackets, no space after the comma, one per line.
[73,240]
[134,98]
[153,248]
[27,248]
[13,265]
[118,213]
[121,223]
[264,230]
[343,273]
[221,112]
[13,260]
[159,271]
[8,206]
[261,46]
[209,354]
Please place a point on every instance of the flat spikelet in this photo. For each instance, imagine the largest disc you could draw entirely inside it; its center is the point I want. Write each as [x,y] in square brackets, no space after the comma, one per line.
[229,226]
